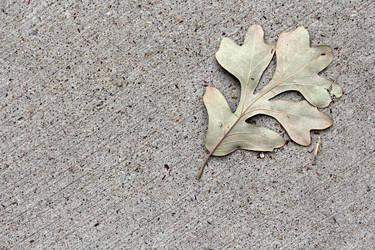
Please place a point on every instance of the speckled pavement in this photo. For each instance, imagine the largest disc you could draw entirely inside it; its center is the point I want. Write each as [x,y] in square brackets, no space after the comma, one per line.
[103,126]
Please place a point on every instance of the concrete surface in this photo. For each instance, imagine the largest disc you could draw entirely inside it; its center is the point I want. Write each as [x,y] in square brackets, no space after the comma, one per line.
[103,126]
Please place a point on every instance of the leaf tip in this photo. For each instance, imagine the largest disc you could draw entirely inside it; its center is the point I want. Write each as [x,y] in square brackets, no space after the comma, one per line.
[335,91]
[299,29]
[255,27]
[302,28]
[305,141]
[256,32]
[209,92]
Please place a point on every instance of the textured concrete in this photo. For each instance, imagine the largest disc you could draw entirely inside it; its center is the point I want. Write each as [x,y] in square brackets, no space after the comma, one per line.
[103,126]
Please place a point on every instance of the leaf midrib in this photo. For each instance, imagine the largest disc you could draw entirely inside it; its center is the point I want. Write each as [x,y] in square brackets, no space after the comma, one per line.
[248,78]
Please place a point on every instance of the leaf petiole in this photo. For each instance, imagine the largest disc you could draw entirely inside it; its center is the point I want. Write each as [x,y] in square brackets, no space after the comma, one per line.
[201,169]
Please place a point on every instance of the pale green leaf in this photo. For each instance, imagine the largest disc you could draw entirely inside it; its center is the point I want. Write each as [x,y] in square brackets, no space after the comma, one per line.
[298,65]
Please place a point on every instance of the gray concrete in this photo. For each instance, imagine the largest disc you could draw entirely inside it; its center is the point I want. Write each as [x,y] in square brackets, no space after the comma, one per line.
[103,126]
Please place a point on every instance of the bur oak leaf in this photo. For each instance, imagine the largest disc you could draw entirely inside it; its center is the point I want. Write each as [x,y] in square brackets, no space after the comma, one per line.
[297,68]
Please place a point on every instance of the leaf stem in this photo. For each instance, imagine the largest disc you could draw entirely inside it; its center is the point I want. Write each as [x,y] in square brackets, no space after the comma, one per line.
[217,145]
[199,175]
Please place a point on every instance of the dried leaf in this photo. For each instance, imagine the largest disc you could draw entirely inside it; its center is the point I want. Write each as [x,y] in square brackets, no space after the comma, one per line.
[297,69]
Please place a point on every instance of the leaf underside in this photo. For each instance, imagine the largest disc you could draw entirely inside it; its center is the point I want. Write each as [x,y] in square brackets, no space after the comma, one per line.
[297,69]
